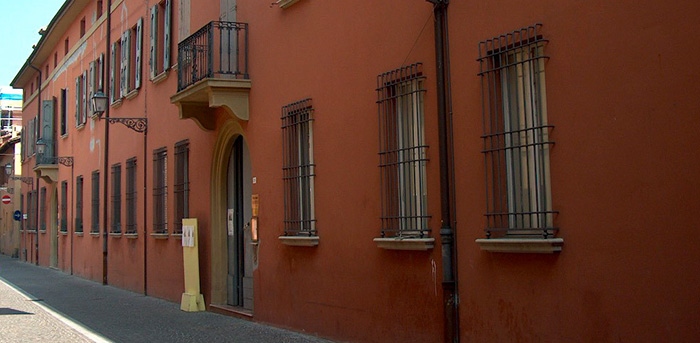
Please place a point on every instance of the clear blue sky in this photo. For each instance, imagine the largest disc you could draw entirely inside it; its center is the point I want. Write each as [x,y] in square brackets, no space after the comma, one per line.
[20,21]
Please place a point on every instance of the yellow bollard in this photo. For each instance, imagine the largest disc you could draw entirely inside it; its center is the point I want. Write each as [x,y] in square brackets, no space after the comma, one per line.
[192,299]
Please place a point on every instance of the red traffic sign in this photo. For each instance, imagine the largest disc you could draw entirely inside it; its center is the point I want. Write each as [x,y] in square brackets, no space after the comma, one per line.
[6,199]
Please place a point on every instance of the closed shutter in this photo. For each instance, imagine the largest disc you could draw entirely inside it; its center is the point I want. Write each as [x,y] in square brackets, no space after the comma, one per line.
[139,43]
[153,58]
[77,101]
[85,98]
[167,16]
[124,68]
[91,87]
[100,73]
[112,61]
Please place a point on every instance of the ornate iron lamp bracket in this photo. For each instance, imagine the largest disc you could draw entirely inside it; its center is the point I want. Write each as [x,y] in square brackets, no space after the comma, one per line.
[26,179]
[136,124]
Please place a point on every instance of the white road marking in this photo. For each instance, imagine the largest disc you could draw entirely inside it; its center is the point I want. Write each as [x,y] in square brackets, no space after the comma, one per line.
[82,329]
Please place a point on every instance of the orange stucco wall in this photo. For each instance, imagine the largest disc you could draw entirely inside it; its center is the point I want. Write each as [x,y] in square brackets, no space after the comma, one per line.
[623,97]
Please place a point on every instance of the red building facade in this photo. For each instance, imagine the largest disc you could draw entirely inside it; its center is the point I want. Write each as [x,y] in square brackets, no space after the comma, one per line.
[306,138]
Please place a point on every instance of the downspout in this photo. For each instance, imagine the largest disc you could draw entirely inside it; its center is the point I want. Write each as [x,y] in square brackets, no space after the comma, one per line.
[105,234]
[38,115]
[447,233]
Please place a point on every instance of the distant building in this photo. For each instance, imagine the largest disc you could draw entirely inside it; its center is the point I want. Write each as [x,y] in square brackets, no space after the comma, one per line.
[10,127]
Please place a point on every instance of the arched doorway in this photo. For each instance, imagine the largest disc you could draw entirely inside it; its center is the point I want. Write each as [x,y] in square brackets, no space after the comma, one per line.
[233,260]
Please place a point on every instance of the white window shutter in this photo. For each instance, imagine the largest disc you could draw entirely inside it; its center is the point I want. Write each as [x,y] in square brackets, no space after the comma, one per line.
[100,73]
[167,16]
[137,63]
[91,87]
[112,61]
[77,101]
[122,66]
[153,57]
[85,98]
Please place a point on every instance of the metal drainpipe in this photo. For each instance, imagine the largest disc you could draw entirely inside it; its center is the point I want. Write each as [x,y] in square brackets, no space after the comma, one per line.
[450,299]
[105,234]
[38,115]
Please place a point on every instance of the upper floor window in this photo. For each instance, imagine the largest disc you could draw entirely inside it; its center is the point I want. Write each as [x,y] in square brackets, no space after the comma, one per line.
[99,9]
[128,68]
[65,47]
[64,111]
[82,27]
[81,99]
[402,153]
[298,169]
[516,135]
[161,15]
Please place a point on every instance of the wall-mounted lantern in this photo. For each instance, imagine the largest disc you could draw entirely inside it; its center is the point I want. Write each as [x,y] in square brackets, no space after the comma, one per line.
[99,103]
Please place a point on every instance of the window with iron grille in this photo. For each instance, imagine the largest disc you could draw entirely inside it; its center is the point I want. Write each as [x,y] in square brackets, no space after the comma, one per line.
[78,204]
[298,169]
[64,206]
[402,153]
[516,140]
[160,191]
[95,225]
[182,184]
[31,204]
[131,196]
[42,209]
[116,223]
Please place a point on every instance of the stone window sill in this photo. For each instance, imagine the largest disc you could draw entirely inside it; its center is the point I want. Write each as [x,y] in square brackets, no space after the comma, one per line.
[521,245]
[299,241]
[160,235]
[95,234]
[79,234]
[64,233]
[132,94]
[286,3]
[160,77]
[116,103]
[176,235]
[131,235]
[115,234]
[400,243]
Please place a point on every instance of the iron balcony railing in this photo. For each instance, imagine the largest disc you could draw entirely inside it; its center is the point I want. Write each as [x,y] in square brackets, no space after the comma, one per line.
[219,49]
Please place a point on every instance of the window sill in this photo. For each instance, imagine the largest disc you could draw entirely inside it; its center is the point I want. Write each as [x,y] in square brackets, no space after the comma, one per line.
[64,136]
[80,126]
[116,103]
[286,3]
[176,235]
[400,243]
[299,241]
[160,235]
[63,233]
[132,94]
[115,234]
[31,231]
[95,234]
[131,235]
[521,245]
[42,231]
[160,77]
[79,234]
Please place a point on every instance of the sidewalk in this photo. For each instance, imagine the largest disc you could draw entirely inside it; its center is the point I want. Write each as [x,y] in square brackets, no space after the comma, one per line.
[123,316]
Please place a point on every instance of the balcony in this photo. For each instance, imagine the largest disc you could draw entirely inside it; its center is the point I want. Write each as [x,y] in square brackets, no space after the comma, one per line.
[213,72]
[46,167]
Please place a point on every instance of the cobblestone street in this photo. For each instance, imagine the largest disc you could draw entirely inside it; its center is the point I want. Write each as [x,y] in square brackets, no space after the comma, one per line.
[56,307]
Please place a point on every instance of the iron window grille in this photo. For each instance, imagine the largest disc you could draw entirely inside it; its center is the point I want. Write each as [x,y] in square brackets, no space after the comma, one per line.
[95,225]
[32,211]
[402,153]
[42,209]
[116,198]
[131,196]
[78,204]
[64,206]
[516,140]
[160,191]
[298,170]
[182,184]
